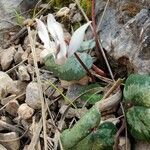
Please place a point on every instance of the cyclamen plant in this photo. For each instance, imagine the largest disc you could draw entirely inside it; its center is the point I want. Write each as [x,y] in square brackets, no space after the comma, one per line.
[57,46]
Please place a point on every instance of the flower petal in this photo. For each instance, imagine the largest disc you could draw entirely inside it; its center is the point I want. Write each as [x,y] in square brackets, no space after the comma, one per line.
[77,39]
[56,31]
[55,28]
[51,50]
[61,56]
[43,33]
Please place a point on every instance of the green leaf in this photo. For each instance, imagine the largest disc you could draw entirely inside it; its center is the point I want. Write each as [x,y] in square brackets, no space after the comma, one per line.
[138,119]
[72,69]
[91,93]
[86,45]
[101,139]
[137,90]
[81,129]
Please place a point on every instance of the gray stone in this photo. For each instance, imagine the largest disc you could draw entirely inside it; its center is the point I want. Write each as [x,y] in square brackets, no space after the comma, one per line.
[7,57]
[12,145]
[23,73]
[33,95]
[7,16]
[125,33]
[7,85]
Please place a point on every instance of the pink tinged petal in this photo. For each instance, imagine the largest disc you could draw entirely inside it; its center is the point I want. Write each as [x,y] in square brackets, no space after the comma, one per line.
[43,33]
[77,39]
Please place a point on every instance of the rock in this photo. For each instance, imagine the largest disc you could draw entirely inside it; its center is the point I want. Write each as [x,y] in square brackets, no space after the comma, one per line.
[5,119]
[21,88]
[76,18]
[33,95]
[122,144]
[15,144]
[73,112]
[12,108]
[6,100]
[31,71]
[2,147]
[28,4]
[63,12]
[7,57]
[141,145]
[26,53]
[125,33]
[18,55]
[7,18]
[73,91]
[25,112]
[39,59]
[23,73]
[6,85]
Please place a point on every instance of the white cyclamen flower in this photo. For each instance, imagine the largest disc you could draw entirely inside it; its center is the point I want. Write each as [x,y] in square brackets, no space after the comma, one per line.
[58,47]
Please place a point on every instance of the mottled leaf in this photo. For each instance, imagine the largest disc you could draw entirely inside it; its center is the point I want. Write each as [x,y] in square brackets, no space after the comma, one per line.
[137,90]
[72,69]
[138,119]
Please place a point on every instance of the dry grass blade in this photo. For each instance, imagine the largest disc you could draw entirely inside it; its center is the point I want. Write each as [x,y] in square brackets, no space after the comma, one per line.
[32,44]
[109,102]
[100,22]
[36,136]
[10,127]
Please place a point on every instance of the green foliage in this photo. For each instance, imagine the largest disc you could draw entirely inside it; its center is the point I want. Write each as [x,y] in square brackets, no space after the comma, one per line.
[81,129]
[59,3]
[86,45]
[87,6]
[20,19]
[91,94]
[137,90]
[137,93]
[100,139]
[72,69]
[138,119]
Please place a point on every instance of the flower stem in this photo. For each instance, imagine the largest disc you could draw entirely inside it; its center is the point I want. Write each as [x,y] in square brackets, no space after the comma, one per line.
[85,67]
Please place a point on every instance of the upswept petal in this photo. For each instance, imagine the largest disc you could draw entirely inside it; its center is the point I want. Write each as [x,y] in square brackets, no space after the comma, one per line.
[77,39]
[55,28]
[43,33]
[51,50]
[61,56]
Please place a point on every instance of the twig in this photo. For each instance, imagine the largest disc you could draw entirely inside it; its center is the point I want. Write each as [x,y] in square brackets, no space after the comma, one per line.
[114,87]
[32,44]
[126,132]
[100,50]
[18,35]
[10,127]
[84,66]
[110,102]
[107,80]
[102,17]
[36,135]
[115,147]
[12,140]
[11,100]
[13,68]
[98,70]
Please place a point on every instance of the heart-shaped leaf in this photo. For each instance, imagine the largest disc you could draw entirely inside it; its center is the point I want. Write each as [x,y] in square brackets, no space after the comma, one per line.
[72,69]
